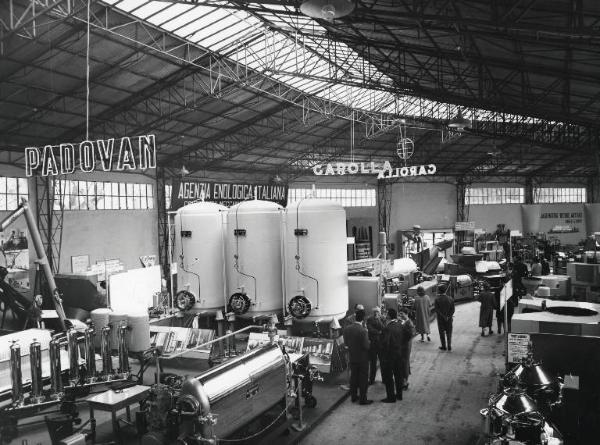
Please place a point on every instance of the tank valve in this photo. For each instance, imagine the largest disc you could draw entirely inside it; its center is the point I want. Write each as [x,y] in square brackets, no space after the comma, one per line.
[299,306]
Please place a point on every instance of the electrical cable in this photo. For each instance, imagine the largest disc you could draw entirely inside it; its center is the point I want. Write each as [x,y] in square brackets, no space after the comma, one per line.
[298,252]
[87,76]
[183,264]
[236,265]
[257,433]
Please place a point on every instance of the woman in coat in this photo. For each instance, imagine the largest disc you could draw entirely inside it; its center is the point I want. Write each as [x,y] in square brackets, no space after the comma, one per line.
[486,311]
[422,313]
[409,333]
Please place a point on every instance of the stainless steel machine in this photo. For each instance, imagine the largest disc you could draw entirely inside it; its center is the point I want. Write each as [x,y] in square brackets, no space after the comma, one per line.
[222,400]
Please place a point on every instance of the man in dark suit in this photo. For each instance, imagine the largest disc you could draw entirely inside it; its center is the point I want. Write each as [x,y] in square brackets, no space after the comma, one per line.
[356,340]
[375,327]
[393,366]
[444,309]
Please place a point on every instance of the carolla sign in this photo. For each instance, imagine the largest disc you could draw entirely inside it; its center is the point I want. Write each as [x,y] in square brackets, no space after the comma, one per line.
[383,170]
[131,154]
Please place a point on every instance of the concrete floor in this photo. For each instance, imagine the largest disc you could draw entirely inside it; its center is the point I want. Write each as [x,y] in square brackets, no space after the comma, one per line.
[441,406]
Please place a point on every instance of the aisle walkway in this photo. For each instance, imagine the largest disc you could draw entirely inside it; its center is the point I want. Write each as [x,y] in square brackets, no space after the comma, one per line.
[441,406]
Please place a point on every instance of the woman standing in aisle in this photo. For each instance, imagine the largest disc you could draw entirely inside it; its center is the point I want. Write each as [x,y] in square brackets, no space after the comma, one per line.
[409,333]
[486,311]
[422,313]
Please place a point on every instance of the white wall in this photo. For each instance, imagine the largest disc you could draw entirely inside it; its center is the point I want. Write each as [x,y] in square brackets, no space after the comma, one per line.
[487,217]
[431,205]
[101,234]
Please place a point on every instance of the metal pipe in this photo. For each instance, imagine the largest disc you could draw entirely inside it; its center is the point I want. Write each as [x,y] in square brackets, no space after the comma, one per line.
[90,354]
[73,356]
[42,260]
[35,363]
[105,352]
[123,350]
[15,373]
[56,385]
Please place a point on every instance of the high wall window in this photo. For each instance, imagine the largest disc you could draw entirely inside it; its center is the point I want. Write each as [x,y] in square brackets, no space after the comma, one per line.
[559,194]
[11,192]
[494,195]
[91,195]
[348,197]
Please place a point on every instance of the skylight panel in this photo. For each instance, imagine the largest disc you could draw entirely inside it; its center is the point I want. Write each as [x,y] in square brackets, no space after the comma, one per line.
[129,5]
[150,9]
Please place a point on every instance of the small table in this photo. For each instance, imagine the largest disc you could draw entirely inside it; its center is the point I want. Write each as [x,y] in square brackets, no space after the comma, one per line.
[114,401]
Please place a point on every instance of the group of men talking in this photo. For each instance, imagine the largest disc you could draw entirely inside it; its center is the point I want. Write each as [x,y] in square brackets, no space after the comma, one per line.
[387,339]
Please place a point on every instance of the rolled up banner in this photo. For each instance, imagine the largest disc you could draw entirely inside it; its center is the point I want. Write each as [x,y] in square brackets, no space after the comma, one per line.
[592,218]
[531,214]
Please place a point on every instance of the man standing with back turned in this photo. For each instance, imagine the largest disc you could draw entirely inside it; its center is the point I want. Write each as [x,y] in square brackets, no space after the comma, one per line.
[393,366]
[356,340]
[444,309]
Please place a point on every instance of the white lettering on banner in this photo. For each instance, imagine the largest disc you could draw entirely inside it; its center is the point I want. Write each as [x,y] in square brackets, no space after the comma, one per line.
[383,170]
[52,160]
[402,172]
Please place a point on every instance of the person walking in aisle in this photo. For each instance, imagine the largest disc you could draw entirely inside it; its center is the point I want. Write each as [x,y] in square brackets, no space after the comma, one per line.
[356,340]
[409,333]
[444,309]
[422,313]
[393,365]
[375,325]
[486,310]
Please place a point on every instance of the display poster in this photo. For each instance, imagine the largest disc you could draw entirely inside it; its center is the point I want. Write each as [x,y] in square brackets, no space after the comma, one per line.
[174,340]
[80,263]
[565,222]
[293,345]
[225,193]
[518,347]
[320,351]
[463,226]
[256,339]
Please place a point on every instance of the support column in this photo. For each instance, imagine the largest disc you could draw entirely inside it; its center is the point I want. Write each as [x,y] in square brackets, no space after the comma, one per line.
[529,191]
[462,210]
[384,207]
[163,227]
[593,183]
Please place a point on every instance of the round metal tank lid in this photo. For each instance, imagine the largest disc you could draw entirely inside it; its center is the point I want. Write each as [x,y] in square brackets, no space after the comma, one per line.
[315,205]
[255,206]
[572,311]
[202,207]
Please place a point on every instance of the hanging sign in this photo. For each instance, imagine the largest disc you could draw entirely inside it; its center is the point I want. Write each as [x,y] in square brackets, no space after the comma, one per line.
[132,153]
[225,193]
[383,170]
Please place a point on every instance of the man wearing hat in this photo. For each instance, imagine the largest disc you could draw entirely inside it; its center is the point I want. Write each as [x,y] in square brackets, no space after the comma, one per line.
[375,327]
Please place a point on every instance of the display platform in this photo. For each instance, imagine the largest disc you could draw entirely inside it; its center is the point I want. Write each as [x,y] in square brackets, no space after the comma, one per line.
[559,317]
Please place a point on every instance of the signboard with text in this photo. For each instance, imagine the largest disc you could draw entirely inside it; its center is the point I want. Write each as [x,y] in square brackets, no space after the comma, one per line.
[225,193]
[123,154]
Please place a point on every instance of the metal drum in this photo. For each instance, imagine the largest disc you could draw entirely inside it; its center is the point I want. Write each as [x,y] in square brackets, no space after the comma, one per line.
[237,391]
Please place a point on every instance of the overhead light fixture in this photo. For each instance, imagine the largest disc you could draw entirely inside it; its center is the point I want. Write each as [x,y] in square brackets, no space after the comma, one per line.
[184,171]
[459,123]
[327,9]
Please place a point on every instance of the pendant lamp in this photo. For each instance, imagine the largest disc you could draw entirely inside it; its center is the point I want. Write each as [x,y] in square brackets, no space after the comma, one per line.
[327,9]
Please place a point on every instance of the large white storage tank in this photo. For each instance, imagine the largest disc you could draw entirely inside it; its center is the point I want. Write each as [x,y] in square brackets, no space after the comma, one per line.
[253,258]
[198,251]
[316,269]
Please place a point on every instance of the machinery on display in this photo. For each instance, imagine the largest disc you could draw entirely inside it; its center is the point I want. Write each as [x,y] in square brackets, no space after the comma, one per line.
[66,380]
[253,259]
[316,278]
[199,250]
[220,401]
[42,259]
[526,408]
